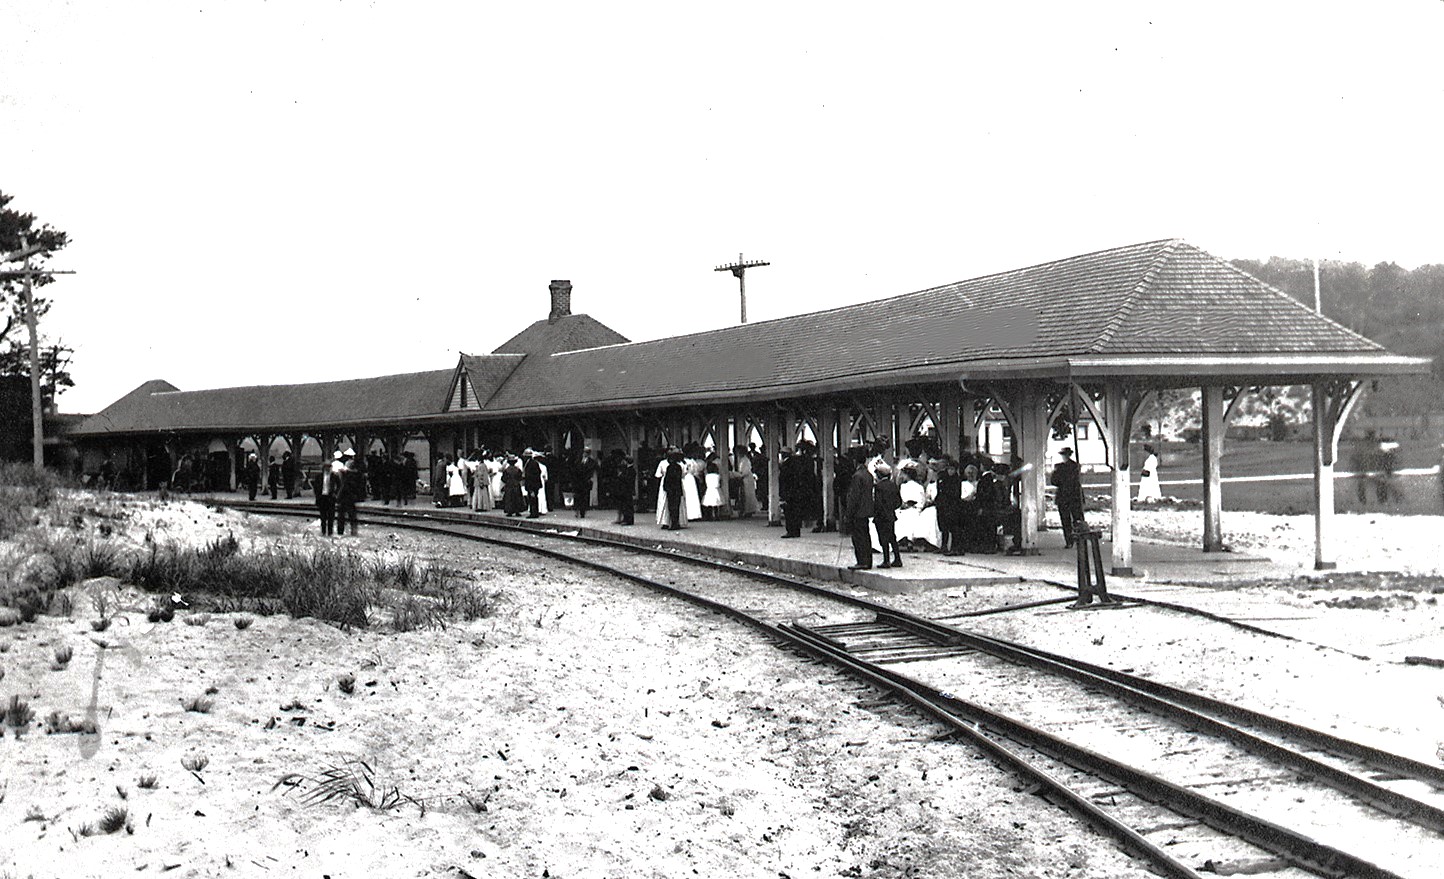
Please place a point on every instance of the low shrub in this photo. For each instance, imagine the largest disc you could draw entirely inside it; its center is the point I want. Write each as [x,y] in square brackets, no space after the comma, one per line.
[18,714]
[197,704]
[242,623]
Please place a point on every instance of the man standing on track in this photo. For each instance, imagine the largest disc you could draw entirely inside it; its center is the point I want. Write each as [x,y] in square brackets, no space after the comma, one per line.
[353,492]
[325,487]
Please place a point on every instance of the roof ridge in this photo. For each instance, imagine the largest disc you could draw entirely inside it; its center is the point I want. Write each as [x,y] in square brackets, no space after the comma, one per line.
[337,381]
[1298,304]
[1111,327]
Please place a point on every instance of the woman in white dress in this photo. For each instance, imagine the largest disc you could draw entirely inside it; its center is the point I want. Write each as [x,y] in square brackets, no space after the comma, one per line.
[542,506]
[691,497]
[1148,487]
[712,497]
[494,466]
[455,485]
[917,520]
[481,498]
[747,503]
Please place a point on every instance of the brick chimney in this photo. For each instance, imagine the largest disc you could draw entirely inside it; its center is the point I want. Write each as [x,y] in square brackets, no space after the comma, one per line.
[561,300]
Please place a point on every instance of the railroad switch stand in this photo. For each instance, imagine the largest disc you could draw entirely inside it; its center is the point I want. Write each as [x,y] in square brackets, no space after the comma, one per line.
[1091,581]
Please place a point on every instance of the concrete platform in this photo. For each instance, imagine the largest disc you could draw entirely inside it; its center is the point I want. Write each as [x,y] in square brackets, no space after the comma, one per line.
[1182,576]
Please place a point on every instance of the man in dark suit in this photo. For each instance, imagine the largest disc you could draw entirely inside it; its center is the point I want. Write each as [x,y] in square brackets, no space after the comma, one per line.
[326,488]
[289,471]
[531,482]
[251,475]
[586,472]
[353,492]
[794,478]
[857,511]
[624,489]
[1067,481]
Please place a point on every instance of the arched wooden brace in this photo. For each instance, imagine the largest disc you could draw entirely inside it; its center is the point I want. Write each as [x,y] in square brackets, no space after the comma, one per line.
[1332,401]
[1219,403]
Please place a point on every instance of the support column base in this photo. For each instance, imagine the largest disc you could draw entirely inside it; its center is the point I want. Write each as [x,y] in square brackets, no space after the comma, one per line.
[1326,566]
[1123,572]
[1215,549]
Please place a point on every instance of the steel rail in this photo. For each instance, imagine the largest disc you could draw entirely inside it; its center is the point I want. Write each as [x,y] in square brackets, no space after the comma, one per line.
[1300,849]
[1160,698]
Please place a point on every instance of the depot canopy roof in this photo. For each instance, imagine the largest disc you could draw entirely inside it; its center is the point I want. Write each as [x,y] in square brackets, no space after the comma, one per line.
[1158,312]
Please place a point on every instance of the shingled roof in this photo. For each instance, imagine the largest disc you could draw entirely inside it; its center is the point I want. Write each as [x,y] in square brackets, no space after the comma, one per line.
[158,406]
[1141,310]
[1159,298]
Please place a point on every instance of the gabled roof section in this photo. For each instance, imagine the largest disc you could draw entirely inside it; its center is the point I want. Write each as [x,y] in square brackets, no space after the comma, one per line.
[1192,302]
[572,332]
[158,406]
[477,379]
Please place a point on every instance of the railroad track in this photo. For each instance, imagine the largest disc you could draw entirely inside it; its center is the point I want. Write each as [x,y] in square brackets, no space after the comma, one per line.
[1252,793]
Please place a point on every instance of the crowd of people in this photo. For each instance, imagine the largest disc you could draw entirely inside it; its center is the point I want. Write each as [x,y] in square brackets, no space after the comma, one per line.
[919,501]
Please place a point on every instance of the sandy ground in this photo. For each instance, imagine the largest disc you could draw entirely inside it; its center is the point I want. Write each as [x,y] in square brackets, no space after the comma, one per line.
[587,729]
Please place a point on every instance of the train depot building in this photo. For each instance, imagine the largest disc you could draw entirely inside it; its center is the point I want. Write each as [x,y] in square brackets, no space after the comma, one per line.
[1100,332]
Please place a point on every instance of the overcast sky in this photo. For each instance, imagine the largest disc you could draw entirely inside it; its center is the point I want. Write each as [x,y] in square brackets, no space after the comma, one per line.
[292,191]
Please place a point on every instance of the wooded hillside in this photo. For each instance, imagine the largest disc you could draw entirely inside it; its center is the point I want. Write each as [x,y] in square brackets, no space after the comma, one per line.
[1402,310]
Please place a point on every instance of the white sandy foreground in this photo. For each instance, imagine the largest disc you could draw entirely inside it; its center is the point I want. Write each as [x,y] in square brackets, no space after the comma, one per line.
[589,729]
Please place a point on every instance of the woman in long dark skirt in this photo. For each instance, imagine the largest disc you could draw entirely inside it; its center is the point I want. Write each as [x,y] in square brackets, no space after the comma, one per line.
[513,503]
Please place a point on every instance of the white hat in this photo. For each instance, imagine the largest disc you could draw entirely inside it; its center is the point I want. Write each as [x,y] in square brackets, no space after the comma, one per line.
[350,453]
[337,456]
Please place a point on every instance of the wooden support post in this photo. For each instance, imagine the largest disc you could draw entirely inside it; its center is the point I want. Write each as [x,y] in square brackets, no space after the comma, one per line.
[1030,435]
[901,428]
[1332,403]
[721,436]
[1214,427]
[948,415]
[773,443]
[827,440]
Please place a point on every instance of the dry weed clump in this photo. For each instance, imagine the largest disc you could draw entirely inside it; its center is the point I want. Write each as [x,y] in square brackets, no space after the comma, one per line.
[18,714]
[146,782]
[353,781]
[198,704]
[195,762]
[61,724]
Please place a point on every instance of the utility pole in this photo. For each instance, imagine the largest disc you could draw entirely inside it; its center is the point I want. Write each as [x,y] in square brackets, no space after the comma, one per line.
[739,271]
[36,414]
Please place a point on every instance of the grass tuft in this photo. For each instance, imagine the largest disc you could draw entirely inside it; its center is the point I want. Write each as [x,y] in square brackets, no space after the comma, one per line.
[146,782]
[243,623]
[198,704]
[63,654]
[346,683]
[113,819]
[198,619]
[353,781]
